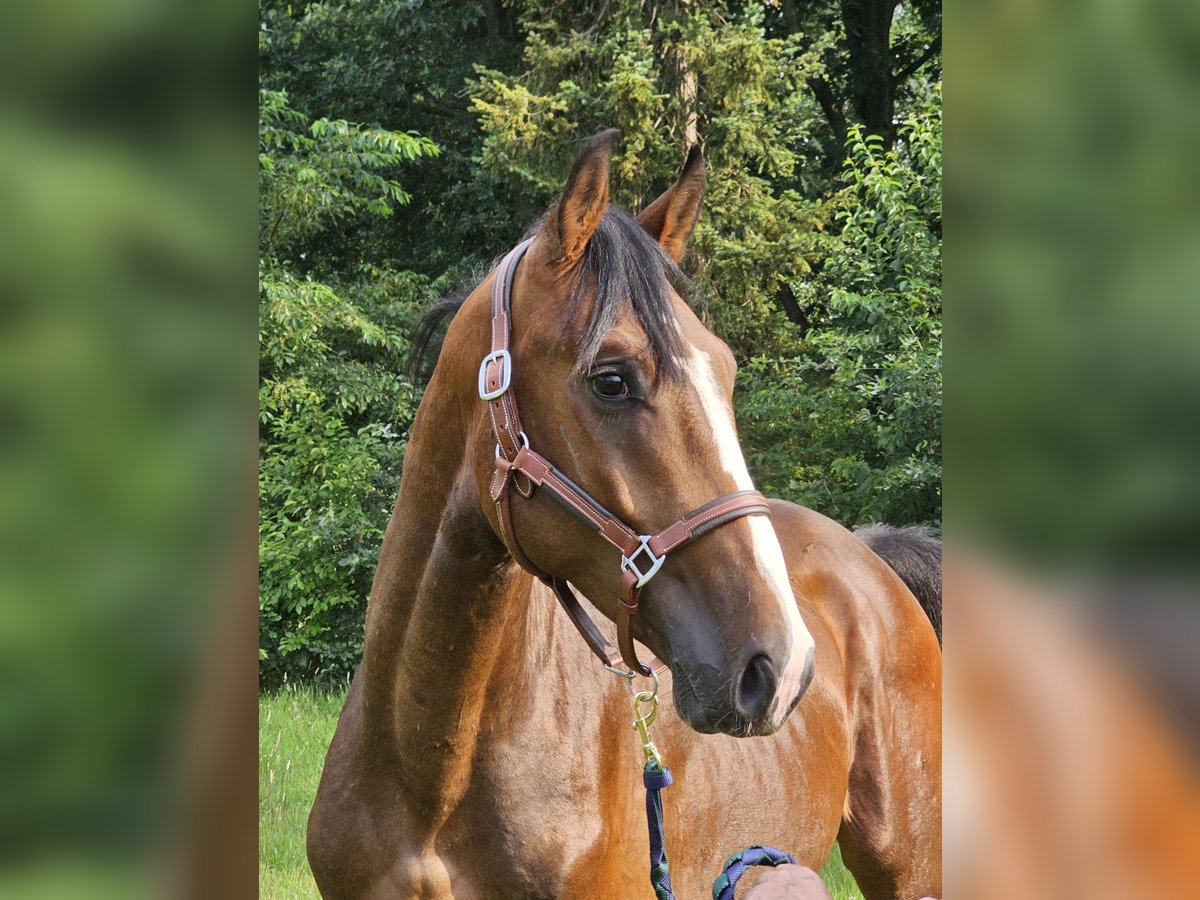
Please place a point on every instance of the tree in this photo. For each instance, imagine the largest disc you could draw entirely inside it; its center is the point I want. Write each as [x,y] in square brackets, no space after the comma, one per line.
[852,424]
[869,51]
[402,65]
[334,406]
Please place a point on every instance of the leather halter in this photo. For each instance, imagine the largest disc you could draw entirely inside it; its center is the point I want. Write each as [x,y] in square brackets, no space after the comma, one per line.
[520,466]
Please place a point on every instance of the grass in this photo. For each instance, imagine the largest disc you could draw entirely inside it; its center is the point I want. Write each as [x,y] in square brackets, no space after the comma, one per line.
[294,730]
[295,726]
[838,879]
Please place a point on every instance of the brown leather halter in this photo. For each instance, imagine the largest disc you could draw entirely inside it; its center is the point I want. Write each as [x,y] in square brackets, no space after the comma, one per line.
[516,464]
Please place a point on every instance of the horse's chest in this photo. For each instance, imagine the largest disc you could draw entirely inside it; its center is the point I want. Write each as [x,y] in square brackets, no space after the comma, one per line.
[543,811]
[538,814]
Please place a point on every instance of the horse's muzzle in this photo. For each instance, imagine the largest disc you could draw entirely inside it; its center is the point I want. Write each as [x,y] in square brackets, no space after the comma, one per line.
[748,703]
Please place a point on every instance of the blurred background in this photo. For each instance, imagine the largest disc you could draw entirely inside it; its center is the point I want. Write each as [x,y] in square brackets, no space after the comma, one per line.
[127,373]
[1072,681]
[399,146]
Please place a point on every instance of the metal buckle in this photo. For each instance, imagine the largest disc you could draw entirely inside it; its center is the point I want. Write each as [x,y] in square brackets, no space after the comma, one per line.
[505,359]
[524,440]
[630,676]
[627,562]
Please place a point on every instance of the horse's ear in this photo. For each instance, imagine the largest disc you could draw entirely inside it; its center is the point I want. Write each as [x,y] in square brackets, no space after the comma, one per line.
[672,217]
[574,218]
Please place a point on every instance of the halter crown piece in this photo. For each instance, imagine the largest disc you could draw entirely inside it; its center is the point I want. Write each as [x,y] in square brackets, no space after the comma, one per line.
[519,466]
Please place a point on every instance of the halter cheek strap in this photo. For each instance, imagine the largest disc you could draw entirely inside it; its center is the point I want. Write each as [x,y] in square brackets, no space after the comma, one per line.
[520,467]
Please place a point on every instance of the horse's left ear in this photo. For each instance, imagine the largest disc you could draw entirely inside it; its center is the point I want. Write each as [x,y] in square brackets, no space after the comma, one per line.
[574,218]
[671,218]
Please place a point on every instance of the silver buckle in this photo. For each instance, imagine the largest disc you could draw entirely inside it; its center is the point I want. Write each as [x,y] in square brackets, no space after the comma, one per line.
[630,676]
[524,440]
[505,359]
[627,562]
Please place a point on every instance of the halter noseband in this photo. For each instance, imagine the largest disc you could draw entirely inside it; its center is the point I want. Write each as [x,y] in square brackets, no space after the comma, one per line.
[520,466]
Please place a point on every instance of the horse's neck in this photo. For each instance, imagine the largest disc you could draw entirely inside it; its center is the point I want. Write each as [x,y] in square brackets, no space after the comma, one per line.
[449,624]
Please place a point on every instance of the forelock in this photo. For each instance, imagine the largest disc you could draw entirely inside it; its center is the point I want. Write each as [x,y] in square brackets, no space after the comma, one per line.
[624,268]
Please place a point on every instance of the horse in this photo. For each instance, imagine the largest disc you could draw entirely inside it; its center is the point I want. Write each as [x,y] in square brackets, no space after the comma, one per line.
[482,752]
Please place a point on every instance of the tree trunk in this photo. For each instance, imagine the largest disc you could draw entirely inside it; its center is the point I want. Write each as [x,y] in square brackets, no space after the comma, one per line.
[868,25]
[492,17]
[791,309]
[831,106]
[822,90]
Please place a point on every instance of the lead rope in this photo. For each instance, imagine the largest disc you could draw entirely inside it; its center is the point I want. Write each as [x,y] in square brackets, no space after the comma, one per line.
[656,776]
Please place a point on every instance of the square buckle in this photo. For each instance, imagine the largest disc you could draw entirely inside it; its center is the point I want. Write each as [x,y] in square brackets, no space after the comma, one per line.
[655,562]
[505,360]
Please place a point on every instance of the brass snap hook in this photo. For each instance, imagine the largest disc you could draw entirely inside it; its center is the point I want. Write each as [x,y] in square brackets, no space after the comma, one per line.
[643,721]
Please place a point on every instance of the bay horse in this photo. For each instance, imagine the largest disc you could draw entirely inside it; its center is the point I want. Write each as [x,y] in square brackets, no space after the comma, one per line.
[482,752]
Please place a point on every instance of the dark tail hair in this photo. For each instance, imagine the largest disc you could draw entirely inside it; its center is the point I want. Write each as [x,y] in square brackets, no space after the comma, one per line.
[916,556]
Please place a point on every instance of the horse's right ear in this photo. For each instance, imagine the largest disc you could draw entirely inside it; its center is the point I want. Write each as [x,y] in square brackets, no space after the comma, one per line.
[574,218]
[671,218]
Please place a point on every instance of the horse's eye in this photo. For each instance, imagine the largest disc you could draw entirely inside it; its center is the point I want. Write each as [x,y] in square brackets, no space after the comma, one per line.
[609,385]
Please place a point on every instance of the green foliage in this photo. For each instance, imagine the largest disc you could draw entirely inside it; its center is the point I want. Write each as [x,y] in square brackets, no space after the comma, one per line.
[308,181]
[851,425]
[334,406]
[401,65]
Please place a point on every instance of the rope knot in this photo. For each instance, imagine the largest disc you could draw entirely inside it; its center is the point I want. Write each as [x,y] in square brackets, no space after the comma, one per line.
[656,779]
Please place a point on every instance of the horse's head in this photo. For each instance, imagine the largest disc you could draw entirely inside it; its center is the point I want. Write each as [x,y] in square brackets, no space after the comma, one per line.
[627,392]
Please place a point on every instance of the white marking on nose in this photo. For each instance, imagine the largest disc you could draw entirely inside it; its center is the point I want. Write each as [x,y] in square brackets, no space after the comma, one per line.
[768,555]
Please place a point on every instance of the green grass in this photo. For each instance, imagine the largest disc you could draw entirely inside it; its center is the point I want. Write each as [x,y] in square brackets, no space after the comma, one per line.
[838,879]
[294,730]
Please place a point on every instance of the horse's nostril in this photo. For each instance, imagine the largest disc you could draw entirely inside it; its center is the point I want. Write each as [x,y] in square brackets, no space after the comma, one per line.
[756,688]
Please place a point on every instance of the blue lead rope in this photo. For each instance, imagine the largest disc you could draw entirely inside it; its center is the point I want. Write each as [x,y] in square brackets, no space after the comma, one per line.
[656,777]
[736,866]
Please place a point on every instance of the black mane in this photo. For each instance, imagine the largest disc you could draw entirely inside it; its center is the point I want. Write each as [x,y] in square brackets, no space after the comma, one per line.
[626,267]
[916,556]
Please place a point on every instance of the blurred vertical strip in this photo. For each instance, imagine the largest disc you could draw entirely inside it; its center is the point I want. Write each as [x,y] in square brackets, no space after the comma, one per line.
[1072,502]
[127,485]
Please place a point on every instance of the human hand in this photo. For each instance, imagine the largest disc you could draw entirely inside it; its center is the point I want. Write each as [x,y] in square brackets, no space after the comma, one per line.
[789,882]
